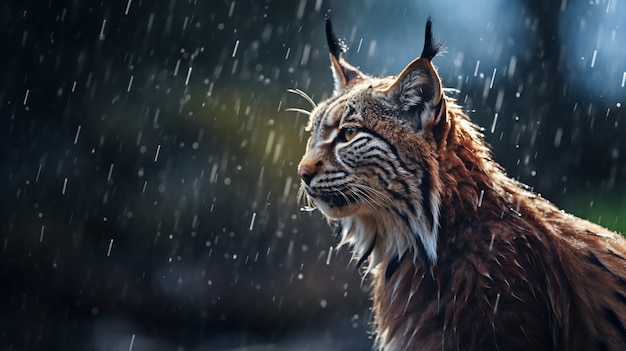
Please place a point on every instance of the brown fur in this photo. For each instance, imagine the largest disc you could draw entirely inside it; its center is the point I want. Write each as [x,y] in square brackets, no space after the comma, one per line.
[507,270]
[513,274]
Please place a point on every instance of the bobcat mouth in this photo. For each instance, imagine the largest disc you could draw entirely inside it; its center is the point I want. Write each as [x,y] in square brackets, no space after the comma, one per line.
[332,199]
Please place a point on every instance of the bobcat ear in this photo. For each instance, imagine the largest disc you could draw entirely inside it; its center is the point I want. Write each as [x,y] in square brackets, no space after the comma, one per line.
[417,89]
[343,72]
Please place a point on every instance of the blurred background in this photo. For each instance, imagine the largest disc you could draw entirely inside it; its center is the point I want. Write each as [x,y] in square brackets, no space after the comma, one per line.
[148,197]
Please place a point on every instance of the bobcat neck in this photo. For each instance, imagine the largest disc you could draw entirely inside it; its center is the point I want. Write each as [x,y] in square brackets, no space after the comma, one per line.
[473,183]
[417,303]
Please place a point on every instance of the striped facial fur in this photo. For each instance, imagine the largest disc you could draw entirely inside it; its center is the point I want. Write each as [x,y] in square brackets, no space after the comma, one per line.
[368,160]
[460,256]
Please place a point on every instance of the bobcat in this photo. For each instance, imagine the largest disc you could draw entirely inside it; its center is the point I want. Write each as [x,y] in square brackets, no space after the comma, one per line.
[460,256]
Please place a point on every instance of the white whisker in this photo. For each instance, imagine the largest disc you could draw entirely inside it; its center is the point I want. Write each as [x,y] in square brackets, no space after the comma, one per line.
[295,109]
[348,200]
[304,95]
[310,203]
[371,192]
[367,199]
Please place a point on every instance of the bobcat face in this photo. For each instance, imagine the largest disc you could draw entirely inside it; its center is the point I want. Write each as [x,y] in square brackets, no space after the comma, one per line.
[370,158]
[345,168]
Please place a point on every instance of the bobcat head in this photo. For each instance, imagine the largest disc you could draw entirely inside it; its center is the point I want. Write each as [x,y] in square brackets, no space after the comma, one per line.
[370,161]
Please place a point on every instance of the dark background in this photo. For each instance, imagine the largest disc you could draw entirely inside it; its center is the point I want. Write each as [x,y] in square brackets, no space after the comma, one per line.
[148,165]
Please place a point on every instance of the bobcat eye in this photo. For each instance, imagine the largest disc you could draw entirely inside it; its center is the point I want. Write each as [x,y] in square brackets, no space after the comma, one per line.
[347,133]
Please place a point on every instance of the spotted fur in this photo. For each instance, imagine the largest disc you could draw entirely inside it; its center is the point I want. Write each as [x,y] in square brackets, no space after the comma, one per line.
[460,256]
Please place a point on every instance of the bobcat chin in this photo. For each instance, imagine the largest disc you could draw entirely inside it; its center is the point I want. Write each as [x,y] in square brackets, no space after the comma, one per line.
[460,256]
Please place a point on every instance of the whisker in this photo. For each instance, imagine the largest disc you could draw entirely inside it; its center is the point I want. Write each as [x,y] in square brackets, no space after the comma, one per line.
[371,192]
[295,109]
[309,206]
[303,95]
[366,198]
[342,194]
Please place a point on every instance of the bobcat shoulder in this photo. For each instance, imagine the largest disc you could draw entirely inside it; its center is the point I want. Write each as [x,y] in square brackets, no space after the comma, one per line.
[460,256]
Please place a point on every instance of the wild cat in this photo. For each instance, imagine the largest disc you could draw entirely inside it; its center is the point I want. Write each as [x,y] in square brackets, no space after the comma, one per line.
[460,256]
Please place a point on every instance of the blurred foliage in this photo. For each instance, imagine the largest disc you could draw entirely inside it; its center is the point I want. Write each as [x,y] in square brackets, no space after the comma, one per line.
[605,207]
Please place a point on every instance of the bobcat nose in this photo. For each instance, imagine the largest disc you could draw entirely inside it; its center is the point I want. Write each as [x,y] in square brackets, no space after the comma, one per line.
[306,174]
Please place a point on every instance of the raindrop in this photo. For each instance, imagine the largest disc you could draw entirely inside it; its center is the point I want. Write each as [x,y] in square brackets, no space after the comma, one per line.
[305,55]
[493,125]
[130,83]
[28,92]
[101,36]
[499,100]
[593,58]
[252,221]
[301,7]
[330,252]
[287,189]
[77,134]
[188,75]
[132,341]
[175,73]
[493,76]
[512,66]
[39,172]
[318,5]
[235,49]
[110,246]
[277,151]
[270,142]
[127,7]
[557,137]
[372,48]
[110,172]
[235,63]
[156,156]
[150,23]
[232,8]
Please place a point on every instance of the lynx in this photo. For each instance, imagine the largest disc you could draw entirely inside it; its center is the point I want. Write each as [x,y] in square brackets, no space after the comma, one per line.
[459,255]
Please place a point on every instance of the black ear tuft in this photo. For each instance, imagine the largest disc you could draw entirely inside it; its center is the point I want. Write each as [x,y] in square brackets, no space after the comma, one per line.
[344,73]
[431,47]
[335,46]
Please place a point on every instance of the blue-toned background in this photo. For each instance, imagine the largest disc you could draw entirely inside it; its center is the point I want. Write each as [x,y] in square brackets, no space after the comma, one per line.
[148,164]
